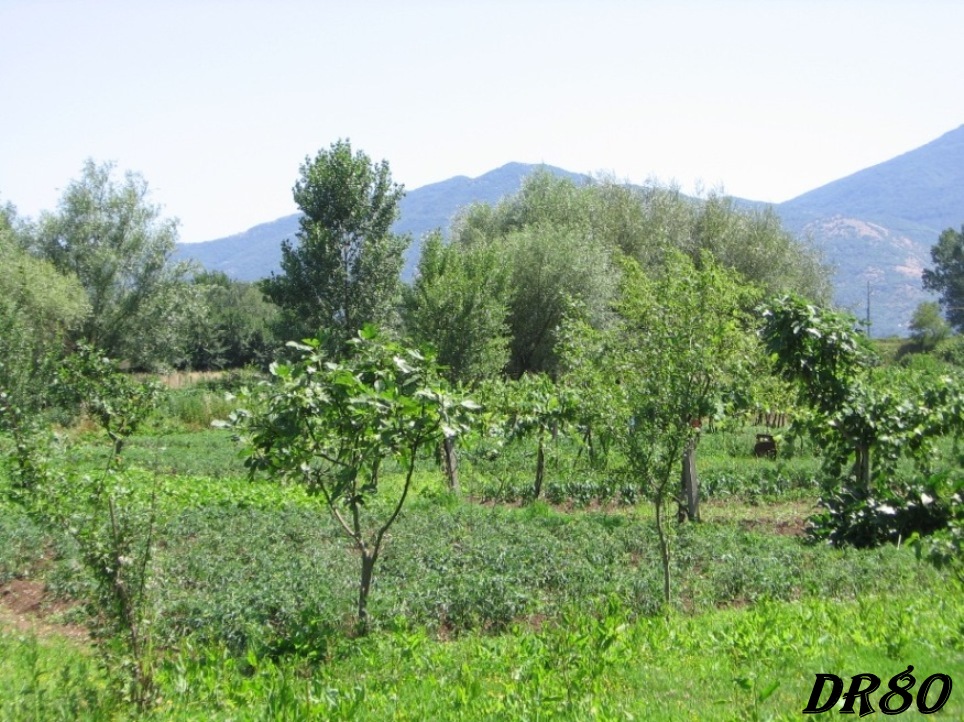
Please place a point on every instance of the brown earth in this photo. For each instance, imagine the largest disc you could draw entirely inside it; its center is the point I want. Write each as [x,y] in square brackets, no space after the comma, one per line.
[27,607]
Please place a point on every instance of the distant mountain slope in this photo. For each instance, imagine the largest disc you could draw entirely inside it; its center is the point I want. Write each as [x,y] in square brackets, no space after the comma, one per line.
[256,253]
[875,226]
[918,190]
[246,256]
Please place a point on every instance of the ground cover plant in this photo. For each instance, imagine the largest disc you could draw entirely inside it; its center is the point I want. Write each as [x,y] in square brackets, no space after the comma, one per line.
[743,663]
[498,609]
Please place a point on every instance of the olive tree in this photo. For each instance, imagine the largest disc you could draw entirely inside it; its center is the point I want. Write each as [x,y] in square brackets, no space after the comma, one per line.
[754,244]
[334,424]
[561,239]
[553,270]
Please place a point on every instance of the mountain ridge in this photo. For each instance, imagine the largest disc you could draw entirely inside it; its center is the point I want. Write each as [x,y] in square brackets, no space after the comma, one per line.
[863,192]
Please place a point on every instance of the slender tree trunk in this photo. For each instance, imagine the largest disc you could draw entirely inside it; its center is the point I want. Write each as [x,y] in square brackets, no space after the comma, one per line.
[590,446]
[663,553]
[862,466]
[367,568]
[690,481]
[117,440]
[369,551]
[540,467]
[451,461]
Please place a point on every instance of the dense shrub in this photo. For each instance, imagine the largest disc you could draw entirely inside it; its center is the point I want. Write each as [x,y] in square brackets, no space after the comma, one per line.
[890,513]
[951,350]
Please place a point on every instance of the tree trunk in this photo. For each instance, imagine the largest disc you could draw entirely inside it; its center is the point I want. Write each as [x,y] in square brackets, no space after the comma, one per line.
[451,462]
[663,554]
[862,466]
[590,446]
[690,481]
[540,468]
[364,587]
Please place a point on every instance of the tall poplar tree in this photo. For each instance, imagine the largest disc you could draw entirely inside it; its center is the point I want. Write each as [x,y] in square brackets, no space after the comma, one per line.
[343,272]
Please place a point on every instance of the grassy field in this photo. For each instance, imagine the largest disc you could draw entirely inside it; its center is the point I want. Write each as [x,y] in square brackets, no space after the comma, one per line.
[486,605]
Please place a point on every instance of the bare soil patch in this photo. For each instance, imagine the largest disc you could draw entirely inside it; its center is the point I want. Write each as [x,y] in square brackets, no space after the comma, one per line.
[26,606]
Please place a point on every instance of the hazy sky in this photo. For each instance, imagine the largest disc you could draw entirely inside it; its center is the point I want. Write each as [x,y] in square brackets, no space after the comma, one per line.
[218,103]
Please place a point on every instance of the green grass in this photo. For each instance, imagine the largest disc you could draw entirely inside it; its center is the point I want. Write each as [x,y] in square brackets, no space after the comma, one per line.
[51,679]
[597,663]
[207,452]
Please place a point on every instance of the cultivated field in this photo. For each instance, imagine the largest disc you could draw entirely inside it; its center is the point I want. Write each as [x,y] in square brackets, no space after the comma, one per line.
[485,605]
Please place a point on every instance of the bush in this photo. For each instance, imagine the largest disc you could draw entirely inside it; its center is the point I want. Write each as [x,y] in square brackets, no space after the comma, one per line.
[195,407]
[951,350]
[924,363]
[890,514]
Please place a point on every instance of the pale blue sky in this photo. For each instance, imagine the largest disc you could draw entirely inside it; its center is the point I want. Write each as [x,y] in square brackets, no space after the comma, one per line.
[217,103]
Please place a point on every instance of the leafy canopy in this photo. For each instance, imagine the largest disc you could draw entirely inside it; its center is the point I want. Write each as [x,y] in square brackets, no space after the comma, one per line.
[817,348]
[344,271]
[681,341]
[335,424]
[114,241]
[856,409]
[458,304]
[561,241]
[927,326]
[39,307]
[947,275]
